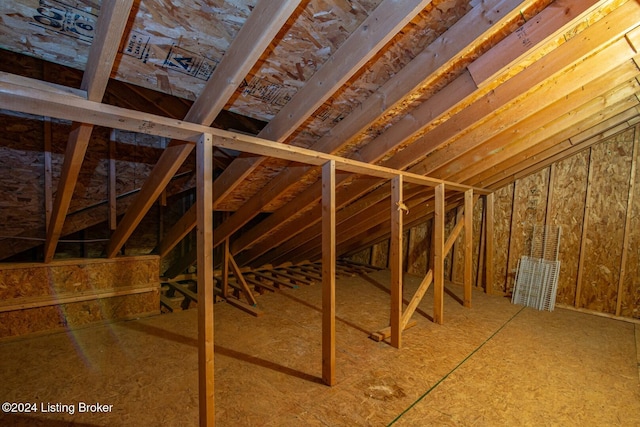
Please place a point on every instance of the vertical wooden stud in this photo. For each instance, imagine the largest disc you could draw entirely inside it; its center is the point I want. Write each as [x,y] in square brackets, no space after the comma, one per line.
[552,179]
[454,274]
[468,246]
[480,277]
[225,269]
[396,261]
[329,273]
[583,238]
[112,181]
[489,236]
[204,201]
[438,256]
[511,242]
[627,224]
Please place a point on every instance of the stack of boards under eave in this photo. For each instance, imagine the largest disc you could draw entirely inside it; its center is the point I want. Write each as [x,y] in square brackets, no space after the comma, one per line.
[537,275]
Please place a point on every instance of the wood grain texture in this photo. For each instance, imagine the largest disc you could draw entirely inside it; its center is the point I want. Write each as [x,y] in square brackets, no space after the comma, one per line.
[503,206]
[631,286]
[567,211]
[611,163]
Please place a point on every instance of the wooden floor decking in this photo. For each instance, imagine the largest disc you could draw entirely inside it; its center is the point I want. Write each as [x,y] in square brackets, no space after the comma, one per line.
[493,364]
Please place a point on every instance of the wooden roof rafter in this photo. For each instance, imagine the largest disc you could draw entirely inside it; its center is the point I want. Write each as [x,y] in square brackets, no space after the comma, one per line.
[477,108]
[110,28]
[379,27]
[437,59]
[244,52]
[386,20]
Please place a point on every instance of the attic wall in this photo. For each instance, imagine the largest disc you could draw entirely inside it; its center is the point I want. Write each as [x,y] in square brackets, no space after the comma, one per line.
[22,187]
[589,199]
[36,297]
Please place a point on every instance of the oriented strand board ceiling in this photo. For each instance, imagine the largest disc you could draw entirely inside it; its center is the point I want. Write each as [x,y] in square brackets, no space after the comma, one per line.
[478,93]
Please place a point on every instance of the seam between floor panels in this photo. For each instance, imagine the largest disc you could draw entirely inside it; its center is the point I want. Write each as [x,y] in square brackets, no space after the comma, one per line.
[426,393]
[635,338]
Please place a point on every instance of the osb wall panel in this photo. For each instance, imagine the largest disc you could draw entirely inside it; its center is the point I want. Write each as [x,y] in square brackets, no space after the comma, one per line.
[22,178]
[380,254]
[22,195]
[477,268]
[503,205]
[529,208]
[419,248]
[631,284]
[567,211]
[458,249]
[77,314]
[64,278]
[457,252]
[611,167]
[449,224]
[363,257]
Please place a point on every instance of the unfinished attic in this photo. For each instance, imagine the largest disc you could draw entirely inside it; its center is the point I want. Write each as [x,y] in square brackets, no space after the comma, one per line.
[357,188]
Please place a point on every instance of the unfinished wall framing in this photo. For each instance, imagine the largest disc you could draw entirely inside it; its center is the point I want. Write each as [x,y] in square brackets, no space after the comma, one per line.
[594,197]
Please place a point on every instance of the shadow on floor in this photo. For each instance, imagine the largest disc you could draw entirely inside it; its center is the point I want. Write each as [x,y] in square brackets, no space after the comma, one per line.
[318,309]
[223,351]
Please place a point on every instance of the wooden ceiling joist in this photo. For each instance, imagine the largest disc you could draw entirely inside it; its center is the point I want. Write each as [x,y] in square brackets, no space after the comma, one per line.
[110,27]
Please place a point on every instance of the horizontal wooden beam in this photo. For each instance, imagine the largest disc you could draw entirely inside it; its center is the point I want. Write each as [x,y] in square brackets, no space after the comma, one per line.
[17,94]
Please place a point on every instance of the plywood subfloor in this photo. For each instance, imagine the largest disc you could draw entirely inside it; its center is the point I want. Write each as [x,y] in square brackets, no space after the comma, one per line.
[494,364]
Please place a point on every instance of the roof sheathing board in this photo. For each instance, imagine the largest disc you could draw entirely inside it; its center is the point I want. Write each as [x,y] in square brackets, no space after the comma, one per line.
[425,28]
[174,46]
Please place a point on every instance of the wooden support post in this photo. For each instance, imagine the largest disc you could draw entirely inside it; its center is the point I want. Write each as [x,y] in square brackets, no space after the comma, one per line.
[112,181]
[468,246]
[438,256]
[395,262]
[489,223]
[204,201]
[329,273]
[627,224]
